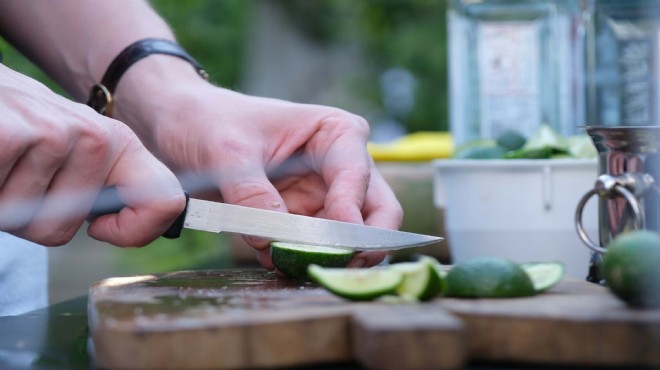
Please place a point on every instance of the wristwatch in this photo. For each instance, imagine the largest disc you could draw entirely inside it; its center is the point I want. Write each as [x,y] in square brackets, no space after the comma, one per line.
[100,97]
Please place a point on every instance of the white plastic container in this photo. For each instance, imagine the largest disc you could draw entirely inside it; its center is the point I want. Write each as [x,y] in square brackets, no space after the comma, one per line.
[523,210]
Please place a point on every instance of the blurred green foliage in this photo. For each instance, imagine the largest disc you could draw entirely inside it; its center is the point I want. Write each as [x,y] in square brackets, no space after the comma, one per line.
[408,34]
[213,31]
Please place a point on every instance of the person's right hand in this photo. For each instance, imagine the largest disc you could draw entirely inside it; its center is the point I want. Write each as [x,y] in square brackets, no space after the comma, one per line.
[55,155]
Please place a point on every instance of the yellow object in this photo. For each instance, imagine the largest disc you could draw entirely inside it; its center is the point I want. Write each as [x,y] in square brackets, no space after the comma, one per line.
[418,146]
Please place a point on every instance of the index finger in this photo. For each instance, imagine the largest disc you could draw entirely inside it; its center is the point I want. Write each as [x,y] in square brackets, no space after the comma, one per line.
[340,149]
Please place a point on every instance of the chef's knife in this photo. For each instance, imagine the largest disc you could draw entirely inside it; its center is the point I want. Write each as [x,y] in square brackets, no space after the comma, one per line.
[277,226]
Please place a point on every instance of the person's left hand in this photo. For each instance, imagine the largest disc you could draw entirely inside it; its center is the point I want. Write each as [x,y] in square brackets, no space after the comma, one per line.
[270,154]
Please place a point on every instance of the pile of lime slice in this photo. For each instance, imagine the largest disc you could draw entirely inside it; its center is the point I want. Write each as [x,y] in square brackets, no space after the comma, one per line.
[427,279]
[545,143]
[420,280]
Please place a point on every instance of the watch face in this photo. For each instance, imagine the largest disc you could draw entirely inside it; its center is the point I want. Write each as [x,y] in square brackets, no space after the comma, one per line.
[100,99]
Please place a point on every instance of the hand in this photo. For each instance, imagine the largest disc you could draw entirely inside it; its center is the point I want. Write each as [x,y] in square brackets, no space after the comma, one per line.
[57,154]
[265,153]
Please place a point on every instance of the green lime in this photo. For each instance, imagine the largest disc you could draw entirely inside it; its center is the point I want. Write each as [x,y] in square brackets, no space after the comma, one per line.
[632,268]
[544,275]
[511,140]
[357,284]
[488,277]
[421,279]
[292,259]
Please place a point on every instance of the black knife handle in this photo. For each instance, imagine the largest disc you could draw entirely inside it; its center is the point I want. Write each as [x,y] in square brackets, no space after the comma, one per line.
[108,202]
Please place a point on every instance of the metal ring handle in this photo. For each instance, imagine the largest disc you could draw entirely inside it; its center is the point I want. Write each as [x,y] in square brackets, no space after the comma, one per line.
[634,205]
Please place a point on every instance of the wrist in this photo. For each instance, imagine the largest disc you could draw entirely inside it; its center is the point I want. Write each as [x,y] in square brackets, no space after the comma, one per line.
[101,97]
[151,89]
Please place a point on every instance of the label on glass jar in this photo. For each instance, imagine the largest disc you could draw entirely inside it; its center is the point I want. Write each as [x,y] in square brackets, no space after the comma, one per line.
[635,70]
[509,81]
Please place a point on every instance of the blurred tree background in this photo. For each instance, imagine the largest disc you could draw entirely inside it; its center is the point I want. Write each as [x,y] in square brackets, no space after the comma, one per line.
[398,76]
[407,36]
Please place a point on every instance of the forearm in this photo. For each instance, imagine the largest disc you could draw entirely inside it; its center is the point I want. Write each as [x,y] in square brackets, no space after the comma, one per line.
[74,41]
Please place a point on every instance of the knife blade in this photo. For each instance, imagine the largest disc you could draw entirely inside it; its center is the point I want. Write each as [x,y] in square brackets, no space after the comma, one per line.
[276,226]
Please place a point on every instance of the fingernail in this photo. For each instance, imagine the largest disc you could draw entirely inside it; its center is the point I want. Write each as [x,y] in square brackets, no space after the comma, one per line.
[360,262]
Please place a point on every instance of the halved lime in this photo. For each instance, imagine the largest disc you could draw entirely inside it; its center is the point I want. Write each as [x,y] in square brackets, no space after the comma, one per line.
[357,284]
[421,279]
[293,259]
[544,275]
[488,277]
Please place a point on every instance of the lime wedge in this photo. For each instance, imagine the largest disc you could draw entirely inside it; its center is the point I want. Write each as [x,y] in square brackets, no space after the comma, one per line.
[293,259]
[544,275]
[357,284]
[421,279]
[546,137]
[581,146]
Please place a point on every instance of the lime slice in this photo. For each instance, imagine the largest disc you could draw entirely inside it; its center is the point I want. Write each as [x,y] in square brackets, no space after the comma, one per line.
[479,149]
[544,275]
[421,279]
[488,277]
[357,284]
[293,259]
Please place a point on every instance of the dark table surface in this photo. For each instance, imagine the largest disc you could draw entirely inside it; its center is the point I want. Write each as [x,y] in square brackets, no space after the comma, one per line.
[56,337]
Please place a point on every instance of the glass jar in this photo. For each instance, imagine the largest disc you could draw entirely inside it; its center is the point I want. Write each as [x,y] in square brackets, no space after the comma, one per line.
[624,63]
[516,64]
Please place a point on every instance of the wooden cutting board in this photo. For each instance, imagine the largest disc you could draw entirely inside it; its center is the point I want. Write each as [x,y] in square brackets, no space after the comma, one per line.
[234,319]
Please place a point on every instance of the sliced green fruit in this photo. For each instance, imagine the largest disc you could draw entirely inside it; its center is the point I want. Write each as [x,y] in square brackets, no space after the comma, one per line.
[488,277]
[479,149]
[536,153]
[421,279]
[357,284]
[495,152]
[544,275]
[546,137]
[581,146]
[632,268]
[293,259]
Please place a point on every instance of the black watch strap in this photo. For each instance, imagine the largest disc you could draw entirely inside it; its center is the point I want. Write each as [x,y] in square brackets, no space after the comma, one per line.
[101,95]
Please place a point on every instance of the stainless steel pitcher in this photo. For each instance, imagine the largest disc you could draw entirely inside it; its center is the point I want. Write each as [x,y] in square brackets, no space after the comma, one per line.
[627,188]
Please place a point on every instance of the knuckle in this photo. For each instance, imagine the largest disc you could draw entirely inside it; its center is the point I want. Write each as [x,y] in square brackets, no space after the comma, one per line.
[347,122]
[54,143]
[96,141]
[250,193]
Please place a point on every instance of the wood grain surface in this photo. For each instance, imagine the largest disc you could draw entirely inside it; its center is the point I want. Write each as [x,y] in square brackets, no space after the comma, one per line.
[233,319]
